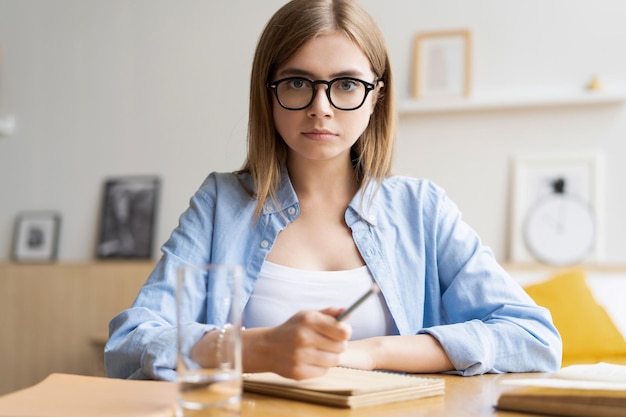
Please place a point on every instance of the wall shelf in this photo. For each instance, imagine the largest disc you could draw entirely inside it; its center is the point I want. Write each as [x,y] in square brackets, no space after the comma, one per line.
[511,100]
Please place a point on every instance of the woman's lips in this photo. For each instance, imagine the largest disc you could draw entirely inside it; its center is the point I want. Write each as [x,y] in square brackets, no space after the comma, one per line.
[319,134]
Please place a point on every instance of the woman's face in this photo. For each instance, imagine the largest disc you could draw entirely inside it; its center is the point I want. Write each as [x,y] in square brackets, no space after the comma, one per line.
[321,132]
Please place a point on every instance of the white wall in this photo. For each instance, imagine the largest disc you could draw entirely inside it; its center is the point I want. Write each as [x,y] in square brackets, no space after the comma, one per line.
[121,87]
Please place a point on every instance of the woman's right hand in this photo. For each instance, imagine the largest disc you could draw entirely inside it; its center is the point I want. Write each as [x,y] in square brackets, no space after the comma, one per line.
[305,346]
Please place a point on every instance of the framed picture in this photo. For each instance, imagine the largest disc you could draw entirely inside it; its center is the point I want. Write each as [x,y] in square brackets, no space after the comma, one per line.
[36,236]
[128,217]
[537,178]
[441,66]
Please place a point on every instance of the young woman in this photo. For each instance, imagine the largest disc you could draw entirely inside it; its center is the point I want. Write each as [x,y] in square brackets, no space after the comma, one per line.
[315,217]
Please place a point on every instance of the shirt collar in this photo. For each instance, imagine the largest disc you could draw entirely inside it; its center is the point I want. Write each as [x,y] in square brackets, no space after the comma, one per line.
[364,204]
[285,196]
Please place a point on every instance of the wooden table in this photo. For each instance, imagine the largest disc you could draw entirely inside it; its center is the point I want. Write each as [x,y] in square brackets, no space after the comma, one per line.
[57,395]
[464,397]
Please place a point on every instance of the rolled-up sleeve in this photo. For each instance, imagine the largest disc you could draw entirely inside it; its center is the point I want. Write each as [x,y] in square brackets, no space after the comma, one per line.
[491,324]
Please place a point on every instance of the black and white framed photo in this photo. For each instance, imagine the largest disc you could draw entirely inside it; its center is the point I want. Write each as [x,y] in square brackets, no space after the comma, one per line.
[36,236]
[557,209]
[128,217]
[442,64]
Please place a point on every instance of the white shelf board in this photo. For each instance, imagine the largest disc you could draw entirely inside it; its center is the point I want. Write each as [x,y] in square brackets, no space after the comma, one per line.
[511,100]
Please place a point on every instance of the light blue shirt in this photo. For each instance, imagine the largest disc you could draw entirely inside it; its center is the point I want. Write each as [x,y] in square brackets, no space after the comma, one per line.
[435,275]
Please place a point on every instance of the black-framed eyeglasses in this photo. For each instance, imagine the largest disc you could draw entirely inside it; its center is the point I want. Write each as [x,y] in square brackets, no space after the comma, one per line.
[344,93]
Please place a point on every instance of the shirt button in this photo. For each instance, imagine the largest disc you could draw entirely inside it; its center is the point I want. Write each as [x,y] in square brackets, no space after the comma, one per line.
[291,210]
[265,244]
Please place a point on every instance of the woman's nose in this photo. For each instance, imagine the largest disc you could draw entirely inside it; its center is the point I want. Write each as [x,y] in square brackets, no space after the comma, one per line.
[321,105]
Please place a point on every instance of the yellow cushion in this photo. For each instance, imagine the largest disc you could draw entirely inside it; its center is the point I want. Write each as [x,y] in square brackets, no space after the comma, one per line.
[585,326]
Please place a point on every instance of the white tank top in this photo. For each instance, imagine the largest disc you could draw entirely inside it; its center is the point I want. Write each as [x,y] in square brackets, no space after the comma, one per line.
[280,292]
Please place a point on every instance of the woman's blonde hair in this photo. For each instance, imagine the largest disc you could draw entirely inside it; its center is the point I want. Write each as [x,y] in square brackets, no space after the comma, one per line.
[286,32]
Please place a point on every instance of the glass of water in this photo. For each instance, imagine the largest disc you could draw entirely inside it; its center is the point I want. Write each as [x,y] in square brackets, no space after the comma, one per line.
[209,373]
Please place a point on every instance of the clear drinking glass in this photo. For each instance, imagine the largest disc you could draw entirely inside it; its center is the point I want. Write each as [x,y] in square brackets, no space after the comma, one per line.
[209,384]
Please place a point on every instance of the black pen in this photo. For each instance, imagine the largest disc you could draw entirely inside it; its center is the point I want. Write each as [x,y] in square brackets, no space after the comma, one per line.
[373,290]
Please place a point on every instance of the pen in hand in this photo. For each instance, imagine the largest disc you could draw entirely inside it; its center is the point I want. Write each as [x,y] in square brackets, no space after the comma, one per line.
[373,290]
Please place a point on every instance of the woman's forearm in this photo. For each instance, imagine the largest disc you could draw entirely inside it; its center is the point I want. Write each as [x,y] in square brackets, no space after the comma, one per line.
[416,354]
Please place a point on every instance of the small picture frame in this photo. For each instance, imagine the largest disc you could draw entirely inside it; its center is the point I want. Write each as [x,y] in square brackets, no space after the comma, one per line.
[36,236]
[442,64]
[534,178]
[128,217]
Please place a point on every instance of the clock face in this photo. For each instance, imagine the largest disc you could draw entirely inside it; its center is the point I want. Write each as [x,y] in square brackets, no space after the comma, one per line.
[560,229]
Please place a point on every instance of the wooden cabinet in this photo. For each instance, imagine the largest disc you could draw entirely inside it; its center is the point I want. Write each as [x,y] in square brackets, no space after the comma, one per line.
[53,317]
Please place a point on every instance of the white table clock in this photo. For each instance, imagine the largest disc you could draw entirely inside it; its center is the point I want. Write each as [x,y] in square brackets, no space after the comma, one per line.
[560,227]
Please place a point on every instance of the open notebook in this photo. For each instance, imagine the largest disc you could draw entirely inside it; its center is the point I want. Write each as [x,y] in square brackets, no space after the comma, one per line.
[346,387]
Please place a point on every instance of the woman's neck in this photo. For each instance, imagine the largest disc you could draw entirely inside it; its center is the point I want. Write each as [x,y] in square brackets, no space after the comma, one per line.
[326,179]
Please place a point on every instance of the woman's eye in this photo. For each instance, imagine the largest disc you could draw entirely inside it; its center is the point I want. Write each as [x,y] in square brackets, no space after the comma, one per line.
[348,85]
[297,84]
